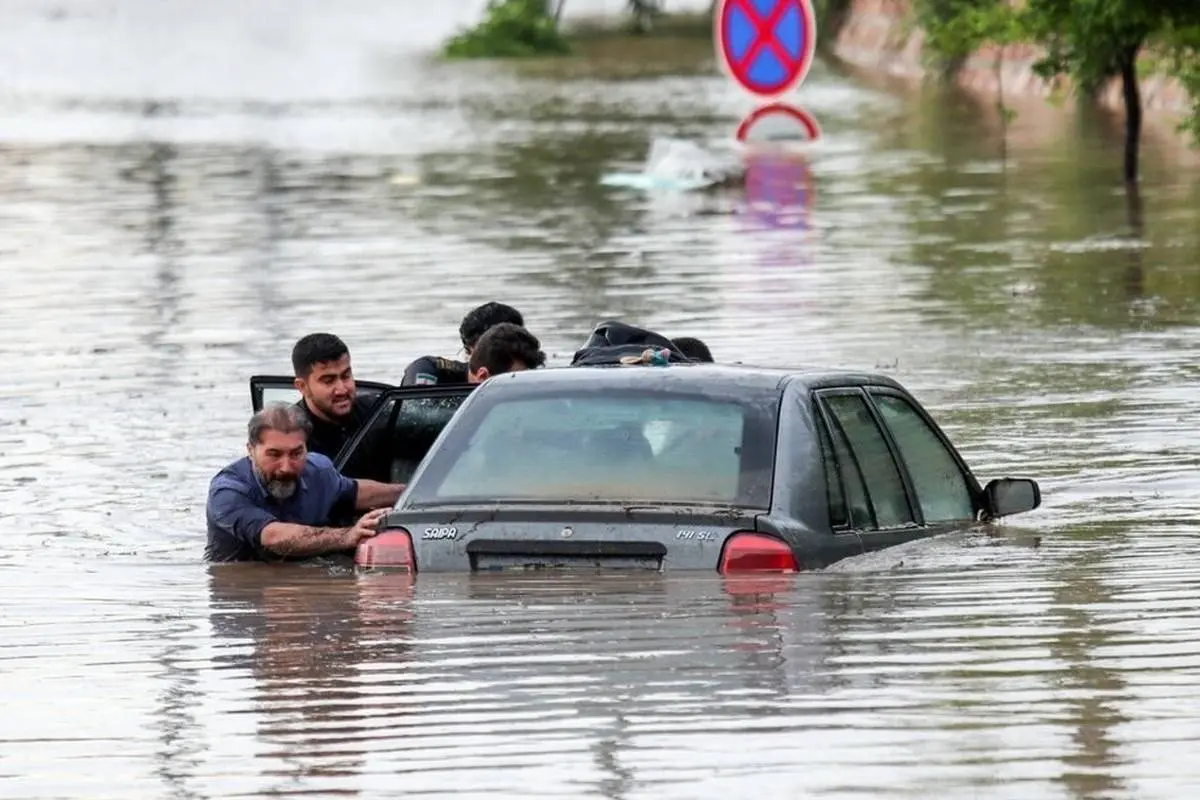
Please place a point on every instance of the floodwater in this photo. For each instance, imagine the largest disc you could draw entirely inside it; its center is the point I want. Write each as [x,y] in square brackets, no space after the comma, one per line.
[187,188]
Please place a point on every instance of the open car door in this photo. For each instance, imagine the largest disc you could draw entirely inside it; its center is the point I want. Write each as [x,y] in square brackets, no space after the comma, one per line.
[401,429]
[282,389]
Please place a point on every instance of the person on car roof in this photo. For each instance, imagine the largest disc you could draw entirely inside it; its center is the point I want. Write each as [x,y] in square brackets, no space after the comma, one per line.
[610,341]
[504,348]
[321,364]
[434,370]
[693,348]
[279,500]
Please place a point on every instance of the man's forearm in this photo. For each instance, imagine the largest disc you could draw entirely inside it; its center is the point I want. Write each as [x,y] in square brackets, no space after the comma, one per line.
[373,494]
[287,539]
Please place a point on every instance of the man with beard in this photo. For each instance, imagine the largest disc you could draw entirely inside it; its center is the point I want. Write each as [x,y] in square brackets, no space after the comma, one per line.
[276,503]
[321,364]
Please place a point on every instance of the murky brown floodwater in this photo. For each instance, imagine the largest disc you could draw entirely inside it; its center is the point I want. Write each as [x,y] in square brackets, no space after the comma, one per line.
[184,194]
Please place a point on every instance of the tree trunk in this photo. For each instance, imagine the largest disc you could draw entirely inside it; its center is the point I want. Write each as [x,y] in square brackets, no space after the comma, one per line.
[999,67]
[1133,112]
[1135,272]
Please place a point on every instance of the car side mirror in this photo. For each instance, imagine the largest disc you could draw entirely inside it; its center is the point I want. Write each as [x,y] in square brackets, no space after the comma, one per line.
[1007,496]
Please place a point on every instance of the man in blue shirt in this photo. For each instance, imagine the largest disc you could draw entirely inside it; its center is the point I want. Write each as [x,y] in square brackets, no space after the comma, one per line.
[278,502]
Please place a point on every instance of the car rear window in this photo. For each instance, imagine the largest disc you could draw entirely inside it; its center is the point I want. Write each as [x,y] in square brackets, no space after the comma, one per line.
[606,447]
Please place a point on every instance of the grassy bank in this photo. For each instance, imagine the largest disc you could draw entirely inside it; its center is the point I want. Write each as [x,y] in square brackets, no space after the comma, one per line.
[531,29]
[510,29]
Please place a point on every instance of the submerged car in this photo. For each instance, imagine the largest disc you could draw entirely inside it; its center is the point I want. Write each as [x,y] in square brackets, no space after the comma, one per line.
[683,467]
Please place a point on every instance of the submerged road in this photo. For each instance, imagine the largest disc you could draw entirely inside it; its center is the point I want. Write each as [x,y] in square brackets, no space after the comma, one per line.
[184,194]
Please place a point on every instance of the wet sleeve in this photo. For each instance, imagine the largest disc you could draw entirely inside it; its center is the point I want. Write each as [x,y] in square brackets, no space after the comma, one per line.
[422,372]
[230,510]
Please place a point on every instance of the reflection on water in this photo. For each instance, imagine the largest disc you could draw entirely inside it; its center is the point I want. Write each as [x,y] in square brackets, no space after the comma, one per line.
[780,190]
[305,641]
[974,664]
[171,220]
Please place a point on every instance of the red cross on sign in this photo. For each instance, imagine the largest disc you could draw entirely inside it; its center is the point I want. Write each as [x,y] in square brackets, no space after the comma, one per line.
[766,46]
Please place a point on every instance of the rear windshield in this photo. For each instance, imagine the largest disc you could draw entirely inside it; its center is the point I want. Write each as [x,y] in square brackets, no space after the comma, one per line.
[594,446]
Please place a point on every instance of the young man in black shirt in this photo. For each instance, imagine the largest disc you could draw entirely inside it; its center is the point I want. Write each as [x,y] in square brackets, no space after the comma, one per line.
[504,348]
[321,364]
[434,370]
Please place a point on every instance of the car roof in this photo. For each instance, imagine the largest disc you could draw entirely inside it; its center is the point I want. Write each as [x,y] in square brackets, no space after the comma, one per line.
[696,375]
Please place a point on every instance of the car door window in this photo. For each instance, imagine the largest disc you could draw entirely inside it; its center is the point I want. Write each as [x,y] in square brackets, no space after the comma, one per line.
[400,432]
[838,517]
[941,487]
[858,506]
[884,484]
[847,498]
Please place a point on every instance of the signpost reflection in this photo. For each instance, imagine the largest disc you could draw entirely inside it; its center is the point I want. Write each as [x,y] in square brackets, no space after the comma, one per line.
[779,189]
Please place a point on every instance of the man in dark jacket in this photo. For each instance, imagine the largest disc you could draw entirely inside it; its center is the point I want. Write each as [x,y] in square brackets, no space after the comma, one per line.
[321,364]
[436,371]
[504,348]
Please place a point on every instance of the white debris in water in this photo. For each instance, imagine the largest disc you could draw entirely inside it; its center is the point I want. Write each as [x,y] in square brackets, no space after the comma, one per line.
[683,160]
[684,163]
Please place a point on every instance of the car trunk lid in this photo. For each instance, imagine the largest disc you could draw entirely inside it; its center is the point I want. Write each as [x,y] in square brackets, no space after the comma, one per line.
[570,537]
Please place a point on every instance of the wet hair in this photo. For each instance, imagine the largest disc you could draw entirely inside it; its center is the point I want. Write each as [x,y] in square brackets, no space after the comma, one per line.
[503,345]
[693,348]
[479,319]
[316,348]
[282,417]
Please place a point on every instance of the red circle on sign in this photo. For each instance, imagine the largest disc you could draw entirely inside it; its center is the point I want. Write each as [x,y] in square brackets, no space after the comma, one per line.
[807,123]
[765,38]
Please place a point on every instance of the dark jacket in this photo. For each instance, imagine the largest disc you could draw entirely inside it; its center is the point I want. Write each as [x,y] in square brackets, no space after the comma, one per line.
[328,438]
[612,340]
[435,371]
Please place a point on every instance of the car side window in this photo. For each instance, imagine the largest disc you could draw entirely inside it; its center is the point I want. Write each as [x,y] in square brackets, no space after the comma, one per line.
[942,489]
[839,517]
[857,503]
[884,484]
[399,436]
[370,457]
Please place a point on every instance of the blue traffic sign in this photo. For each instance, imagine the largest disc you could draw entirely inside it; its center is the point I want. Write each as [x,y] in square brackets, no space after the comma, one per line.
[766,46]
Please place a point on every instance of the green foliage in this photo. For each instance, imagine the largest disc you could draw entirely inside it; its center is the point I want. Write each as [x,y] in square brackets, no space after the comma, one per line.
[956,28]
[1190,77]
[1093,40]
[1088,40]
[1181,42]
[510,29]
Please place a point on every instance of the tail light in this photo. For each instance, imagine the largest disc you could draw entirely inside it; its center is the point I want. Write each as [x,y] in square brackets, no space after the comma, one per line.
[747,551]
[391,549]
